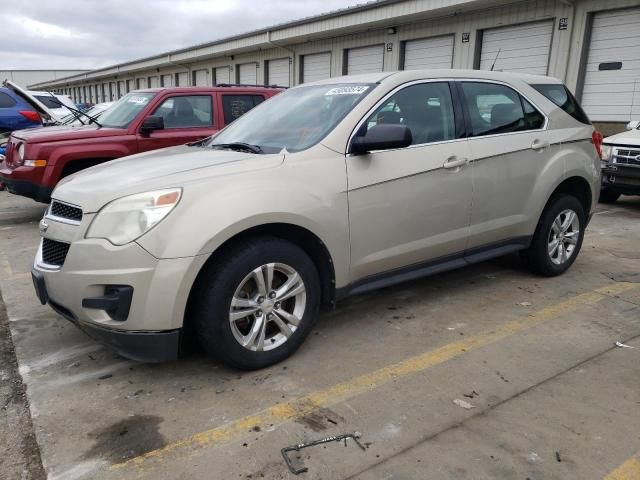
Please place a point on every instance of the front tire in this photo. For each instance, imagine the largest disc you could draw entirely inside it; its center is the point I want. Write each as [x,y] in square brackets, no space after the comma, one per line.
[608,196]
[255,306]
[558,237]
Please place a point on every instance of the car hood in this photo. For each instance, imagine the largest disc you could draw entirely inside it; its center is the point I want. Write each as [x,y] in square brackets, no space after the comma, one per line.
[66,132]
[39,107]
[631,138]
[179,166]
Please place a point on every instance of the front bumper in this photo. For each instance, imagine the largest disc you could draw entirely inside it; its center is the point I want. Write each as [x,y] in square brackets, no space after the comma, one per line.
[625,180]
[25,188]
[121,296]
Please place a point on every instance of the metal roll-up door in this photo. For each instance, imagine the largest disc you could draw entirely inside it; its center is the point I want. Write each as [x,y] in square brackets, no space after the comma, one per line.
[201,78]
[142,83]
[522,48]
[154,82]
[365,59]
[428,53]
[121,89]
[278,72]
[223,75]
[166,80]
[248,74]
[316,66]
[611,91]
[182,79]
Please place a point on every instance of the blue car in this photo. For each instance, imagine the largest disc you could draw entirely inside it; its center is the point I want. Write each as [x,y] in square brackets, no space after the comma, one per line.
[16,113]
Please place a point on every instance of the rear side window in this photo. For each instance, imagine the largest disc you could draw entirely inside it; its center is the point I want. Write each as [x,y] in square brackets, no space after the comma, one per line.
[562,97]
[6,101]
[49,102]
[495,109]
[234,106]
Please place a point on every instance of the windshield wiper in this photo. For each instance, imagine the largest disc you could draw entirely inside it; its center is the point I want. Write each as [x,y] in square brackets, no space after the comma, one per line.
[76,112]
[239,146]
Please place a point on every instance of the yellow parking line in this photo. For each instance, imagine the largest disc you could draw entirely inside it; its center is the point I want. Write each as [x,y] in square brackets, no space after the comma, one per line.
[278,414]
[629,470]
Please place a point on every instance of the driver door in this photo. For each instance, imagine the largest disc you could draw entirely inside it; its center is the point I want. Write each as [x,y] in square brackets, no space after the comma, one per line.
[411,207]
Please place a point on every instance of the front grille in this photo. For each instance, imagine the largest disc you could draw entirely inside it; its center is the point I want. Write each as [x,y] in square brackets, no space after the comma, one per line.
[63,210]
[627,156]
[53,252]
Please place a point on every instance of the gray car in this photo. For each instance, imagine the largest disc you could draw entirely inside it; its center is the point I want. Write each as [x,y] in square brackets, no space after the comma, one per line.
[329,189]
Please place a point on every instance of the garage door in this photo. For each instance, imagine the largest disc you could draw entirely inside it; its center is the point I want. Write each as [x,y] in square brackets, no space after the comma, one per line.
[182,79]
[201,78]
[167,80]
[523,48]
[429,53]
[365,59]
[612,77]
[316,67]
[248,74]
[121,89]
[223,75]
[278,72]
[141,82]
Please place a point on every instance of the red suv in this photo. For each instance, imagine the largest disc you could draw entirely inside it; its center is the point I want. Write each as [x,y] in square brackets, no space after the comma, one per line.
[143,120]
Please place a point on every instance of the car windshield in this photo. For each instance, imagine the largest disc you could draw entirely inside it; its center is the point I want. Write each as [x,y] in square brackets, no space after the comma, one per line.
[122,113]
[295,119]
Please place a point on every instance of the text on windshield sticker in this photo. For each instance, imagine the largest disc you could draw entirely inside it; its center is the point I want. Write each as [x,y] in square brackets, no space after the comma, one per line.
[357,90]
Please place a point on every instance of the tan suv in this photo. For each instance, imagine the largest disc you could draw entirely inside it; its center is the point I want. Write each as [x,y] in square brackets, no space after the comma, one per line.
[330,189]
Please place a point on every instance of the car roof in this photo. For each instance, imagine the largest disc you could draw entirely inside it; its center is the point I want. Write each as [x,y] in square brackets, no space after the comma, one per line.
[409,75]
[218,88]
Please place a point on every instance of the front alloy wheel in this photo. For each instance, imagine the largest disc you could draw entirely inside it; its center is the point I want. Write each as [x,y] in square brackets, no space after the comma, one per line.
[267,307]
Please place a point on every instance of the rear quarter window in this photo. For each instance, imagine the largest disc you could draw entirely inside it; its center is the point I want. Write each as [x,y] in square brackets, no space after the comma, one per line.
[562,97]
[6,101]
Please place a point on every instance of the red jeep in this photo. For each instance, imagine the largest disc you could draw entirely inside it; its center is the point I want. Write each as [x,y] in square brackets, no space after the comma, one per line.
[143,120]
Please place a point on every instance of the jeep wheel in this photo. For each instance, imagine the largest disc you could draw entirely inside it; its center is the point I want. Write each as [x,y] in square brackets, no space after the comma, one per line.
[558,237]
[255,307]
[608,196]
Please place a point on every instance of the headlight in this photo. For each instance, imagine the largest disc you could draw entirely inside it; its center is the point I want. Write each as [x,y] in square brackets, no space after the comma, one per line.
[21,152]
[128,218]
[606,153]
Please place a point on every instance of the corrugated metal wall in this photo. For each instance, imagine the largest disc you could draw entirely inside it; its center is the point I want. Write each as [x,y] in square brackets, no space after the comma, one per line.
[390,25]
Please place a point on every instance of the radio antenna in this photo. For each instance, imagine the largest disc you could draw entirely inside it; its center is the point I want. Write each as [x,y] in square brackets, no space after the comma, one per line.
[496,59]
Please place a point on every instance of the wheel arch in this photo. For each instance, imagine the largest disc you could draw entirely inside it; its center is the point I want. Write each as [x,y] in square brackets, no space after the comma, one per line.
[578,187]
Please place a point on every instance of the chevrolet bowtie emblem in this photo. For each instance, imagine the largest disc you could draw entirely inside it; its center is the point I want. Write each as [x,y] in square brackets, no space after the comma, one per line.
[43,225]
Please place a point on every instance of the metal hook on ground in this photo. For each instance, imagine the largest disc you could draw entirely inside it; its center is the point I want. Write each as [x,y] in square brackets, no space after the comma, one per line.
[296,448]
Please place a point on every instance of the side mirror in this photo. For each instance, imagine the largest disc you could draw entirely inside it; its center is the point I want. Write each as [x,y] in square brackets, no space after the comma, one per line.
[382,137]
[150,124]
[634,125]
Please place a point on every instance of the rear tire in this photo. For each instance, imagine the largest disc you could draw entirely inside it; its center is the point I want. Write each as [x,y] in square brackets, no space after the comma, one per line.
[608,196]
[242,314]
[558,237]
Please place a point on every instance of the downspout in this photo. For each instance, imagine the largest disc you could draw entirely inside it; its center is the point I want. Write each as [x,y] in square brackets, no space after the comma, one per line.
[293,59]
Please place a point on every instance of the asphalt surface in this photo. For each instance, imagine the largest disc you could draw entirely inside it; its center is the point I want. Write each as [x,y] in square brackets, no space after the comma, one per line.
[482,373]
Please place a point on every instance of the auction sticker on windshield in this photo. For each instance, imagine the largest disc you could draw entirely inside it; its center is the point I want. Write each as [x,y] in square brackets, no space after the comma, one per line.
[354,90]
[138,100]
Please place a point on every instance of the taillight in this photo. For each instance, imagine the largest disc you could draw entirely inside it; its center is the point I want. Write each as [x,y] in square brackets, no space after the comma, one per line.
[596,139]
[31,115]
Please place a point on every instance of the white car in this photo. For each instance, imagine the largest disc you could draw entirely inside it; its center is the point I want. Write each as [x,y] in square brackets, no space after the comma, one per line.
[55,103]
[621,164]
[73,119]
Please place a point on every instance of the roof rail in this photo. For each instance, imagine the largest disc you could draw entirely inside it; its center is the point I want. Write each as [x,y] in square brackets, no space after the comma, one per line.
[247,85]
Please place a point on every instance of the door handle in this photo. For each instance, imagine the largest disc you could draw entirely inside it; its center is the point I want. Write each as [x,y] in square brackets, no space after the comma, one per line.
[540,145]
[455,162]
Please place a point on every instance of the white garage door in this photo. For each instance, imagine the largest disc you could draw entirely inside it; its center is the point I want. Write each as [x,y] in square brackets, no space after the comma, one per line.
[612,77]
[201,78]
[154,82]
[429,53]
[365,59]
[278,72]
[223,75]
[167,80]
[316,67]
[523,48]
[121,89]
[248,74]
[141,82]
[182,79]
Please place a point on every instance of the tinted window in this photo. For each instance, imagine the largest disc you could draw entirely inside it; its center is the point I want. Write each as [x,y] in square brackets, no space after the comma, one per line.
[186,111]
[497,109]
[49,102]
[234,106]
[6,101]
[562,97]
[425,108]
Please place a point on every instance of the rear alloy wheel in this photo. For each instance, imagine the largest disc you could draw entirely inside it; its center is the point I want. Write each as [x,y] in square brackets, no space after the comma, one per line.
[256,304]
[558,237]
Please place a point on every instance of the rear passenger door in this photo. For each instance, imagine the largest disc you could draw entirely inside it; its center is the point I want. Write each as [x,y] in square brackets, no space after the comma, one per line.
[187,118]
[509,148]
